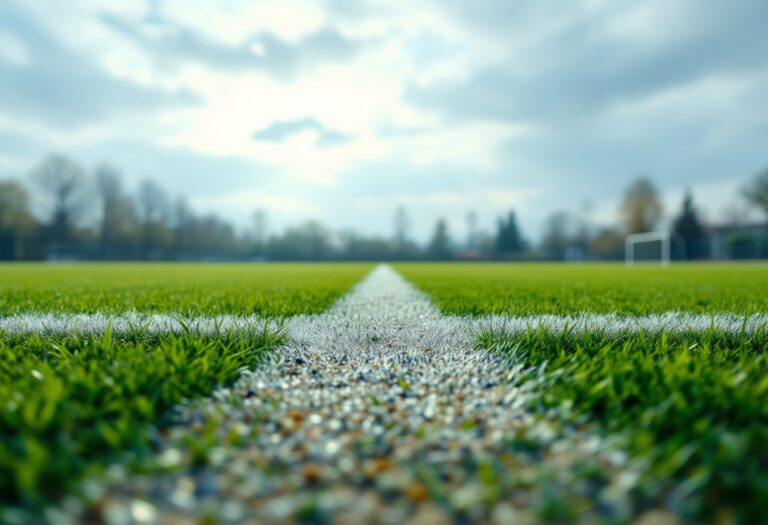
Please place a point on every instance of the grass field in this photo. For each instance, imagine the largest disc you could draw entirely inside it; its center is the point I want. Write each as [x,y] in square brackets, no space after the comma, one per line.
[527,289]
[72,405]
[69,405]
[688,405]
[691,406]
[187,289]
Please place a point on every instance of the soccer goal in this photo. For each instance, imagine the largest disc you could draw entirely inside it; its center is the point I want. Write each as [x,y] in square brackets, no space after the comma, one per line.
[648,247]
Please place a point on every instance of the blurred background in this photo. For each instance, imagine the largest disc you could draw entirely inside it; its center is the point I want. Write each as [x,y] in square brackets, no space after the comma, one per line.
[361,130]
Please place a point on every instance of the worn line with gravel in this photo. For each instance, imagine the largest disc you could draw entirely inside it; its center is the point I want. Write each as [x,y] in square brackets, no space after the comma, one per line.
[378,411]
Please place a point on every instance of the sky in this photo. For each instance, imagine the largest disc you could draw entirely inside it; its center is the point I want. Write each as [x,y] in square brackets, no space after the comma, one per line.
[343,110]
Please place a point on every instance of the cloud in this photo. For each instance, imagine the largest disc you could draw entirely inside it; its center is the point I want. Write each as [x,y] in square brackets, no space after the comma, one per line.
[12,50]
[282,130]
[589,59]
[56,85]
[180,170]
[171,44]
[14,143]
[440,105]
[611,91]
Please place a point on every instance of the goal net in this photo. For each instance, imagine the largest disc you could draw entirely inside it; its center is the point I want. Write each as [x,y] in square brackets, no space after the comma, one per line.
[649,247]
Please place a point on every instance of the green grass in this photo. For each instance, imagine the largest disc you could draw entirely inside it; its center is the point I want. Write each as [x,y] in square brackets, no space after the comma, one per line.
[526,289]
[691,405]
[69,406]
[189,289]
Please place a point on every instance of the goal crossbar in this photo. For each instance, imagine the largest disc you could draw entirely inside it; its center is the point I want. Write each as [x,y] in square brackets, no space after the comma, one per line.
[634,238]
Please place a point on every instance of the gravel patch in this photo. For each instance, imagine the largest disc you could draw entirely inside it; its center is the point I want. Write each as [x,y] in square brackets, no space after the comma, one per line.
[379,411]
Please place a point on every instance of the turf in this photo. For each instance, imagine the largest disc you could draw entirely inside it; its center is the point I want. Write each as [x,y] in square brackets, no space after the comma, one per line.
[186,289]
[687,404]
[690,405]
[528,289]
[72,405]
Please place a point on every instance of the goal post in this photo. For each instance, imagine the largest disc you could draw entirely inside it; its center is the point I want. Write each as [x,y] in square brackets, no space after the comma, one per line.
[643,247]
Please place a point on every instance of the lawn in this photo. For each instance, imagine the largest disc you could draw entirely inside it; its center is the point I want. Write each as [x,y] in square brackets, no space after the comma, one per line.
[690,405]
[528,289]
[687,404]
[186,289]
[71,405]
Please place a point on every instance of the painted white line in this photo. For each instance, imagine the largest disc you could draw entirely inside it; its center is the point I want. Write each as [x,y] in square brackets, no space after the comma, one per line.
[129,322]
[449,326]
[384,381]
[618,325]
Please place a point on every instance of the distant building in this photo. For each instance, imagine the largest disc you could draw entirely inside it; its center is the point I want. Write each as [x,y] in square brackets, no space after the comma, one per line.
[741,241]
[575,253]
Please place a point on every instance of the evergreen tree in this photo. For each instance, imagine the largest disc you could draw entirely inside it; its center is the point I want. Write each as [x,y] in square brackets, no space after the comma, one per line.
[439,246]
[688,226]
[509,241]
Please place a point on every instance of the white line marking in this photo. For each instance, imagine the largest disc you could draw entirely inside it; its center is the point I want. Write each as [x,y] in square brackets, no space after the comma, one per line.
[380,381]
[611,324]
[87,324]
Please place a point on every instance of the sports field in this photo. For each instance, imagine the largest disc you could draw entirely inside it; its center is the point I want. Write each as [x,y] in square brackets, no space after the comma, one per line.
[193,289]
[593,393]
[526,289]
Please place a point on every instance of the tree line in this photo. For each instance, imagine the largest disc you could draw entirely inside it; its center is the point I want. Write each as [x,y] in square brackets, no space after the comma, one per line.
[641,211]
[94,216]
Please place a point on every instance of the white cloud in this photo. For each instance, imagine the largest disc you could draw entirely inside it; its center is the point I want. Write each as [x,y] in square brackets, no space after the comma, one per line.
[546,106]
[237,19]
[12,49]
[10,164]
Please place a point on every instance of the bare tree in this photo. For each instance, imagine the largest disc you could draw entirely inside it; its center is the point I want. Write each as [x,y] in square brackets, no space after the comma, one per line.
[65,185]
[641,210]
[584,225]
[110,191]
[557,234]
[402,227]
[259,222]
[183,224]
[152,202]
[471,218]
[607,243]
[756,192]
